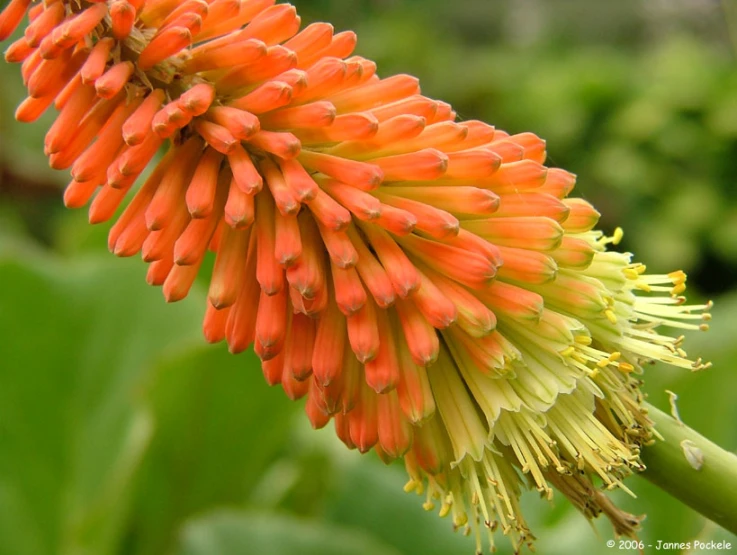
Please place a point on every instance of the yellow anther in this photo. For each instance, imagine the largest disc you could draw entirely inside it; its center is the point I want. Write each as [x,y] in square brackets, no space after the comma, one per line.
[630,273]
[460,520]
[609,313]
[411,486]
[583,339]
[616,355]
[618,235]
[626,367]
[678,289]
[704,327]
[444,510]
[568,351]
[428,505]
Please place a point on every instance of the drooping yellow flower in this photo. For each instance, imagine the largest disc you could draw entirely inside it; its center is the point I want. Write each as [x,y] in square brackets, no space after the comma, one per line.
[427,284]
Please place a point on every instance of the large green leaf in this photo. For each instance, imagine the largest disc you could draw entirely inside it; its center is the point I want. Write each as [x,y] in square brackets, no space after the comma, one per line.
[219,427]
[232,533]
[77,339]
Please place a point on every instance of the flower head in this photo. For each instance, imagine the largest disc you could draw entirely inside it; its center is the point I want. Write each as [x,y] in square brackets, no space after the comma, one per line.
[427,284]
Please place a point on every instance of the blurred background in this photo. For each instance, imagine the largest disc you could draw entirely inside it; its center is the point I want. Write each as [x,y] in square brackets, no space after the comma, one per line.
[122,432]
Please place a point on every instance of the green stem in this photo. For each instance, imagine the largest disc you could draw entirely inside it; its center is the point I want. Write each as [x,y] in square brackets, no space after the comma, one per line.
[711,489]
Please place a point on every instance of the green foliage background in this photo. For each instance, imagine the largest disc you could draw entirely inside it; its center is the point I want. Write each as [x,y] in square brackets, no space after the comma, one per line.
[121,432]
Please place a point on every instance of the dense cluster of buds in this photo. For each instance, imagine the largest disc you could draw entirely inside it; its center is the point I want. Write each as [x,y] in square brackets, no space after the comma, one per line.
[427,284]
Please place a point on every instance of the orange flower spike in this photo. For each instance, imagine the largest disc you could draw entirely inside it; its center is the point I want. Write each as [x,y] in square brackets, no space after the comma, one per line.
[173,185]
[242,52]
[242,125]
[216,136]
[240,208]
[301,184]
[246,176]
[401,272]
[362,205]
[349,292]
[356,174]
[122,16]
[372,273]
[271,324]
[283,145]
[164,45]
[44,24]
[328,212]
[227,274]
[114,79]
[200,196]
[340,248]
[269,96]
[137,127]
[299,346]
[11,16]
[395,432]
[330,341]
[433,221]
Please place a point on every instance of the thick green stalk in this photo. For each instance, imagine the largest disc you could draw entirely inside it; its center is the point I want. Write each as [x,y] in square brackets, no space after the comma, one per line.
[673,465]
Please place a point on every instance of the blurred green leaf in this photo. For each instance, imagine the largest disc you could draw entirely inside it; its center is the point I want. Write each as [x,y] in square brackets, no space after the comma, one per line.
[77,340]
[231,533]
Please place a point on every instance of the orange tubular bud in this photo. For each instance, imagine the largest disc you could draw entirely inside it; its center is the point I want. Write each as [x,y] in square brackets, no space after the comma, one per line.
[138,126]
[242,125]
[75,29]
[268,272]
[307,275]
[214,323]
[114,79]
[382,371]
[245,174]
[200,196]
[349,292]
[277,60]
[396,220]
[299,346]
[216,136]
[269,96]
[369,95]
[427,164]
[433,221]
[395,432]
[341,46]
[363,333]
[227,274]
[469,268]
[239,208]
[372,273]
[361,204]
[165,44]
[340,248]
[327,355]
[288,246]
[421,337]
[283,145]
[474,317]
[240,329]
[40,28]
[303,187]
[32,108]
[170,118]
[348,127]
[123,16]
[204,58]
[473,163]
[198,99]
[18,51]
[51,76]
[582,216]
[356,174]
[94,66]
[328,212]
[401,272]
[524,232]
[77,194]
[11,16]
[469,201]
[314,114]
[283,196]
[310,40]
[274,24]
[134,160]
[417,105]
